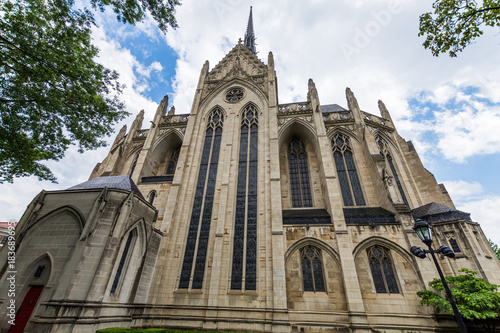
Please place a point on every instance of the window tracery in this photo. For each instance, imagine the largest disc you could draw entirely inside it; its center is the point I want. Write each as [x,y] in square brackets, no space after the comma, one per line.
[312,269]
[382,270]
[299,173]
[201,214]
[234,94]
[245,258]
[350,185]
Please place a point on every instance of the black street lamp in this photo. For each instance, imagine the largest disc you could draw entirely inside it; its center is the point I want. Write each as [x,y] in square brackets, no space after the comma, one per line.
[424,232]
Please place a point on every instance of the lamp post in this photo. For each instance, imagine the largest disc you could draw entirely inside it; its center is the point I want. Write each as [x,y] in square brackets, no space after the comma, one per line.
[424,232]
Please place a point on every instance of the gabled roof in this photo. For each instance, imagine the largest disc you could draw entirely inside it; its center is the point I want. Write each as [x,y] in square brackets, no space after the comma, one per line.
[115,182]
[244,55]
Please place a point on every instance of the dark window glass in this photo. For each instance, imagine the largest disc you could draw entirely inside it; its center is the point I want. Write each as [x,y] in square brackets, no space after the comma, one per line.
[123,261]
[152,196]
[299,173]
[244,257]
[312,269]
[201,215]
[382,270]
[454,246]
[350,185]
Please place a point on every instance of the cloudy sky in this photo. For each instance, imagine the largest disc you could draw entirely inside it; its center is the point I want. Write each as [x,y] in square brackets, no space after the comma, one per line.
[448,107]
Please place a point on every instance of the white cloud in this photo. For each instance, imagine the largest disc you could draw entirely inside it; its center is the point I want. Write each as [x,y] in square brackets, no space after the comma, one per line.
[460,190]
[485,211]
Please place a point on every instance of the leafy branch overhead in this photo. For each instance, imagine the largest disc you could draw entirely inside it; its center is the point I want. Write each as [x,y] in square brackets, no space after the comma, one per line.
[454,24]
[477,299]
[52,92]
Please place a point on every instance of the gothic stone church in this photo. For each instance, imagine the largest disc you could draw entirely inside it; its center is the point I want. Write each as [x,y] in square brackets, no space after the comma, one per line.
[244,214]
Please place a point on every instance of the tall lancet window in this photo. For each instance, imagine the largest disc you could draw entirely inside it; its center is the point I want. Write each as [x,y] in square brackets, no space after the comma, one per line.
[385,152]
[201,215]
[124,260]
[245,248]
[346,171]
[299,173]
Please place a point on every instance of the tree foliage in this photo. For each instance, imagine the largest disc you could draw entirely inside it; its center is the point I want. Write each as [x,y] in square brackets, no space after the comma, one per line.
[52,92]
[132,11]
[495,248]
[476,298]
[456,24]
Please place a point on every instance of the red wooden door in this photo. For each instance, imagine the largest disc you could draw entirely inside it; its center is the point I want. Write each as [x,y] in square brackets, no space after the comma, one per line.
[24,312]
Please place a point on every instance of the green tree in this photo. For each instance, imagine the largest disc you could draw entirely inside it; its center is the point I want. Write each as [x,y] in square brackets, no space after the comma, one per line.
[477,300]
[456,24]
[495,248]
[52,92]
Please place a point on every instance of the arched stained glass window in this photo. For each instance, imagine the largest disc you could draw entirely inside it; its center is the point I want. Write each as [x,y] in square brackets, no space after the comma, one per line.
[346,171]
[124,259]
[201,214]
[299,173]
[245,257]
[385,152]
[382,270]
[312,269]
[454,246]
[172,163]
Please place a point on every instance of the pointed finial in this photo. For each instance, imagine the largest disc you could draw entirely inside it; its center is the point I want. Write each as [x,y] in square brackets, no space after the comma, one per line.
[250,35]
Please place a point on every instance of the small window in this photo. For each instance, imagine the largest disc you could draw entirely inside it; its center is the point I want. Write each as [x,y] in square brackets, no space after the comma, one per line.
[312,269]
[152,196]
[454,246]
[382,270]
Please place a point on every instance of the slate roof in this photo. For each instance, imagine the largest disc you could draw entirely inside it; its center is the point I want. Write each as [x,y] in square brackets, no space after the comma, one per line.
[435,212]
[368,215]
[332,108]
[116,182]
[306,216]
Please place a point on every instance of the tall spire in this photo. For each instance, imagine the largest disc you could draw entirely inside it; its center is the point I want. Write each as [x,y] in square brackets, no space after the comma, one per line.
[249,35]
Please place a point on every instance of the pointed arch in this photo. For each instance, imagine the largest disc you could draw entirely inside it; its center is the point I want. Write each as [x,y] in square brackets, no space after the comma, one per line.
[376,240]
[314,242]
[165,150]
[337,129]
[152,197]
[392,246]
[131,249]
[70,209]
[298,127]
[247,84]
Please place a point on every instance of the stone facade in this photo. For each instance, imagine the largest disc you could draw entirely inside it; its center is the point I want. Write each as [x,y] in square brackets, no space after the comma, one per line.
[222,232]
